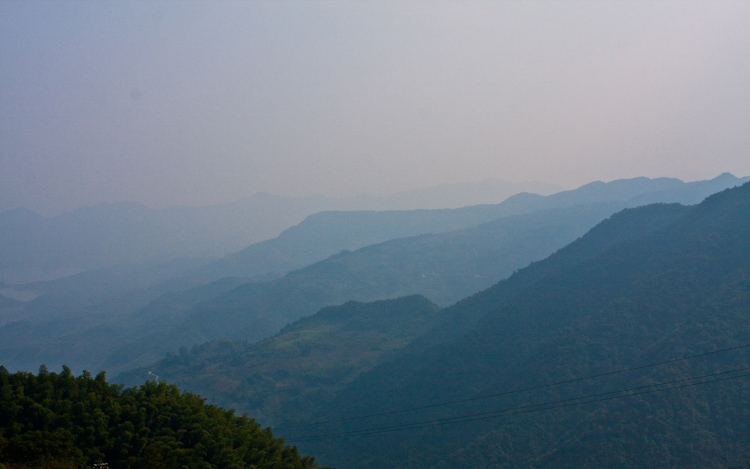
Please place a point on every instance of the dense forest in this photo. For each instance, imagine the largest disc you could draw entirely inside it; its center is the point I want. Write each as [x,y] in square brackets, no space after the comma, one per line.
[53,420]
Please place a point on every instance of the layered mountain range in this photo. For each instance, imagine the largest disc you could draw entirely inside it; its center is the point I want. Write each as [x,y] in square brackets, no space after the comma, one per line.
[121,319]
[129,235]
[628,347]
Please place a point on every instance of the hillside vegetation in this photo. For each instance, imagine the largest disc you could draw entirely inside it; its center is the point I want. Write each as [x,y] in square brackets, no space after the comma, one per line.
[53,420]
[285,379]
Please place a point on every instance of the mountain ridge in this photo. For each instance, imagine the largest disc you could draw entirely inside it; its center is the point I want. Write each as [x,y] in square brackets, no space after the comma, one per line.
[35,247]
[444,277]
[680,290]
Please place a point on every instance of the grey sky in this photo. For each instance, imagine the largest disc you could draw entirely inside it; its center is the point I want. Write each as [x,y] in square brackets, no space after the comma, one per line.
[203,102]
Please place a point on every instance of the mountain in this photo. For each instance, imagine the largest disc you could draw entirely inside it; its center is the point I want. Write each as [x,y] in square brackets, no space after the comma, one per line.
[6,302]
[131,235]
[645,290]
[327,233]
[33,247]
[36,248]
[691,193]
[114,321]
[669,304]
[286,377]
[225,371]
[444,267]
[57,330]
[449,195]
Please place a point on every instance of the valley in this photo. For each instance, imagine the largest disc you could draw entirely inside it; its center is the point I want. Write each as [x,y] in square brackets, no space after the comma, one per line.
[436,318]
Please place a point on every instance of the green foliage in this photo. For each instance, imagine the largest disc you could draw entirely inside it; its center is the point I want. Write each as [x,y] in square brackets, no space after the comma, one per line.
[56,420]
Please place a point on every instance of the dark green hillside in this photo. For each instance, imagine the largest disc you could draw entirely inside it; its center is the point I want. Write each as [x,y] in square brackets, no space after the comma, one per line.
[60,421]
[682,290]
[285,378]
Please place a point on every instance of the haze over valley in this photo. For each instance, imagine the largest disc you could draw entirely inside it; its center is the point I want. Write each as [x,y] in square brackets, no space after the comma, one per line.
[365,235]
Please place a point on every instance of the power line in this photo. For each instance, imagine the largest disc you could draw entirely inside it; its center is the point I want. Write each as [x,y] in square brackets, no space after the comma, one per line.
[505,393]
[558,403]
[532,408]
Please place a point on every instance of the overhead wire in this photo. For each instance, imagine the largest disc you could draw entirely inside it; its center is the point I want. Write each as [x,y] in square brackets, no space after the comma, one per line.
[532,408]
[516,391]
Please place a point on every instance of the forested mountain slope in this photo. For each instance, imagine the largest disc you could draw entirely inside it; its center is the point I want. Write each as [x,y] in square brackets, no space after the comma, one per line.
[681,291]
[229,372]
[284,379]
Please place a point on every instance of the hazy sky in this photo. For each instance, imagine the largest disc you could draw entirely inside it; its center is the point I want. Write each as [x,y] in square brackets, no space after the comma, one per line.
[203,102]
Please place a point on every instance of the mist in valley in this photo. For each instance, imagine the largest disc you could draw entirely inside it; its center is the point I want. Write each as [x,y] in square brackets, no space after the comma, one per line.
[400,234]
